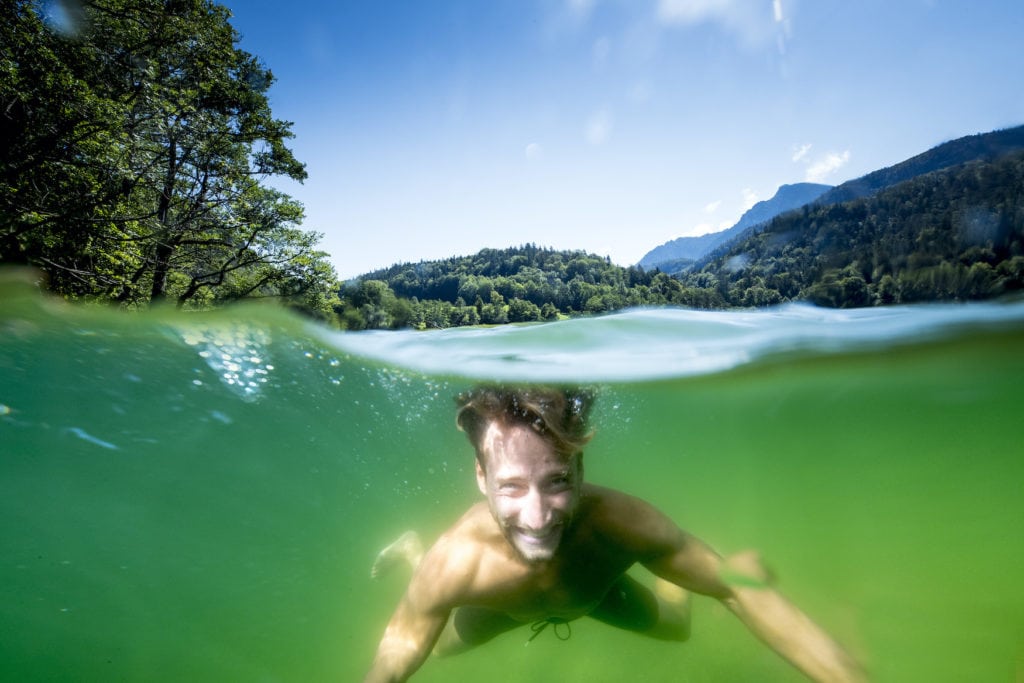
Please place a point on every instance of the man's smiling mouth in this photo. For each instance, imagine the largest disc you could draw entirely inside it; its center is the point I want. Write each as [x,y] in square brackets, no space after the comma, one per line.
[542,538]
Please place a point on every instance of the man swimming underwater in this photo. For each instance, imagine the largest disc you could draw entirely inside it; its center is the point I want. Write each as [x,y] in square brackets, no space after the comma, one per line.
[547,548]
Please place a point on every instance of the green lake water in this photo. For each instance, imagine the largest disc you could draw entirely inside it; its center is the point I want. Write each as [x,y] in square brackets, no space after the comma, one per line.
[200,497]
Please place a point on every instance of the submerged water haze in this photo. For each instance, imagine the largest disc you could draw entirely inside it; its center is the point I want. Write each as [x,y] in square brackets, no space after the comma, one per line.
[200,497]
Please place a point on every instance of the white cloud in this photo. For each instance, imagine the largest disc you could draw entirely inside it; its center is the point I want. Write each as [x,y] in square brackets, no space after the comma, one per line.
[827,165]
[580,7]
[534,151]
[692,11]
[708,228]
[749,198]
[783,26]
[750,20]
[713,206]
[570,17]
[801,152]
[598,127]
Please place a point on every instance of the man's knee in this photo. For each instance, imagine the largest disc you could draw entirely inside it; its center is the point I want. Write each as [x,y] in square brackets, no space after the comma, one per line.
[673,622]
[673,611]
[471,626]
[450,643]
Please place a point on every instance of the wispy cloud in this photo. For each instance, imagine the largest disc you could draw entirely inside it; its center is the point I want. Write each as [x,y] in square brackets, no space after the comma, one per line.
[800,152]
[713,206]
[567,18]
[534,151]
[750,20]
[581,8]
[749,198]
[706,228]
[825,166]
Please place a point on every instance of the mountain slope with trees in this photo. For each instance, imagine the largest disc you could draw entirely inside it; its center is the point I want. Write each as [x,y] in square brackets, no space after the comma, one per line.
[682,254]
[950,235]
[980,147]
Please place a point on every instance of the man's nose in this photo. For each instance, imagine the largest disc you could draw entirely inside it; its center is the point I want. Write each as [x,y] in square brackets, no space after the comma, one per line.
[535,512]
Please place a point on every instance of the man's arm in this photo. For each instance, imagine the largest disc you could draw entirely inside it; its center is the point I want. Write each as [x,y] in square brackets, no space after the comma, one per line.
[435,589]
[743,585]
[782,626]
[408,640]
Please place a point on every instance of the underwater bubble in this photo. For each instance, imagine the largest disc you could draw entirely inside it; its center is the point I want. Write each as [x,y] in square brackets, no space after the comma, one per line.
[233,351]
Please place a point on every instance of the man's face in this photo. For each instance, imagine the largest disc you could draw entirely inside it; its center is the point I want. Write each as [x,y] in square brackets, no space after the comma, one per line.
[532,490]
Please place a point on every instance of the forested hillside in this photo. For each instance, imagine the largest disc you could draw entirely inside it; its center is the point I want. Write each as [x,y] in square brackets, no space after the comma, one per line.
[497,286]
[981,147]
[951,235]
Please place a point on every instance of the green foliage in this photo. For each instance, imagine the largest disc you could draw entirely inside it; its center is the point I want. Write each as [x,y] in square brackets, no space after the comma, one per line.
[518,285]
[135,145]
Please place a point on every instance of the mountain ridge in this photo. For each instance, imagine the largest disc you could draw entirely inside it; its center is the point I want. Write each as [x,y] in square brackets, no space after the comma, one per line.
[945,155]
[683,249]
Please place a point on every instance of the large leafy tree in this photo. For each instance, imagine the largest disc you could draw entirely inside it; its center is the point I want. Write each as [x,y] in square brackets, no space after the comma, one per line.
[138,141]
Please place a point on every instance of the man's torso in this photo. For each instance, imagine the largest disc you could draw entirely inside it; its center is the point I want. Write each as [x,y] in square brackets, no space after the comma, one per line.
[488,573]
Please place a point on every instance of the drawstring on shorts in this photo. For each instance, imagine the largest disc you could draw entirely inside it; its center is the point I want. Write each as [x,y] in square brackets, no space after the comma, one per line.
[538,627]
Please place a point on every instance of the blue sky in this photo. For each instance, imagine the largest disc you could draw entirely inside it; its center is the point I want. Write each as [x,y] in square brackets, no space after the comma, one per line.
[435,129]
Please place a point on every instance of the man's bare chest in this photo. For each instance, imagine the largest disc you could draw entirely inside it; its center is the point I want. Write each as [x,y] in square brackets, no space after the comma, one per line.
[566,588]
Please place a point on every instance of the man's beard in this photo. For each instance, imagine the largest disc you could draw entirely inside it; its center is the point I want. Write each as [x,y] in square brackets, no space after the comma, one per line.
[533,552]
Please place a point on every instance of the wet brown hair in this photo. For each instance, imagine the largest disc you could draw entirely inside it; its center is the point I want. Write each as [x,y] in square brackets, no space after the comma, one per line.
[558,415]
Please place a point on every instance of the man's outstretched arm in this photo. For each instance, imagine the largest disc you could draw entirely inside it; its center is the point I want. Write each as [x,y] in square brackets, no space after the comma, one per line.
[743,585]
[782,626]
[407,642]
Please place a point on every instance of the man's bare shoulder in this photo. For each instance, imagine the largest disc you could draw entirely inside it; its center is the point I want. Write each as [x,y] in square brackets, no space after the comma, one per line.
[451,567]
[612,502]
[463,541]
[629,521]
[471,533]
